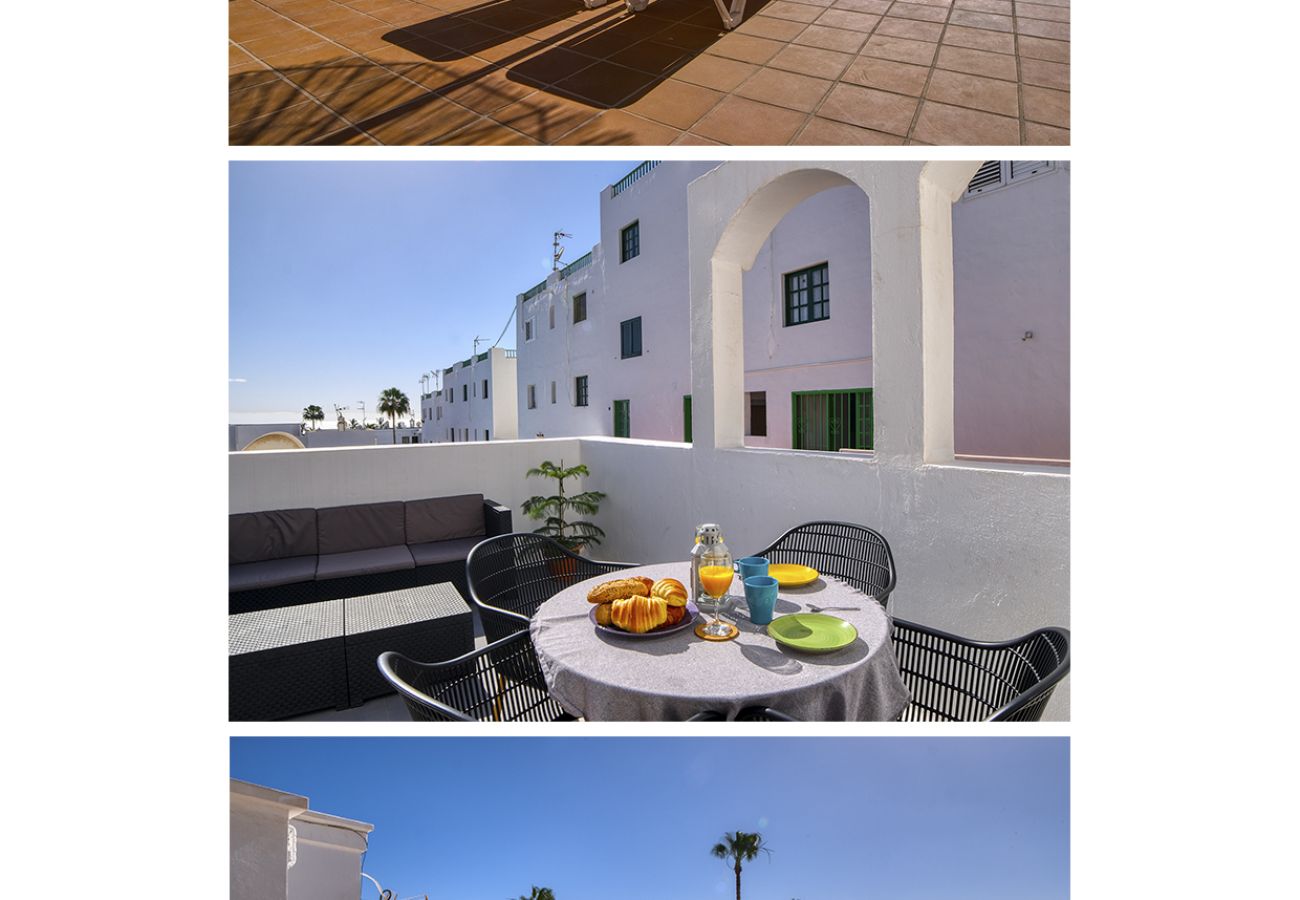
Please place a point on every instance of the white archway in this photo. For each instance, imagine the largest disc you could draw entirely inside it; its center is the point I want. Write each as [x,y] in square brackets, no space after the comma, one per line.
[732,211]
[275,440]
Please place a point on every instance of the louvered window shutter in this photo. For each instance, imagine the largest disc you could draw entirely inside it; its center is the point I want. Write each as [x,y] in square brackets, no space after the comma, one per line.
[1025,168]
[987,177]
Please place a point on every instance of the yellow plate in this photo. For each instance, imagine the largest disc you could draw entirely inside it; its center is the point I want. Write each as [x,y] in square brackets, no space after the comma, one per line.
[790,575]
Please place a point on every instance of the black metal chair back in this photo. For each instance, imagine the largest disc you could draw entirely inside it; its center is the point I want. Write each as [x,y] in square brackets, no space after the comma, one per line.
[953,679]
[501,682]
[854,553]
[511,575]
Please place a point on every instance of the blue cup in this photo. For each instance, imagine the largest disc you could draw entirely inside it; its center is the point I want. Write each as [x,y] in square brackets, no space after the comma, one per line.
[750,566]
[760,597]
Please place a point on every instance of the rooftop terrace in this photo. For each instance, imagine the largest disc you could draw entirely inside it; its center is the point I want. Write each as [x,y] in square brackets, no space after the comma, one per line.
[820,72]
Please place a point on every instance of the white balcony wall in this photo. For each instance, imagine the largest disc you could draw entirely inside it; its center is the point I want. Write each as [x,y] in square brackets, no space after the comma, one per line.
[329,853]
[286,479]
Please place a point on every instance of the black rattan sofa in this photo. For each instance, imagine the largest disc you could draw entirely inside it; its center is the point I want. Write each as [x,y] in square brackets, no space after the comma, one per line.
[290,556]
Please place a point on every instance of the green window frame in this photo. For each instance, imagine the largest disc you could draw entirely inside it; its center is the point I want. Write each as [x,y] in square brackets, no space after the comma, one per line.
[832,420]
[630,242]
[687,430]
[580,391]
[622,418]
[808,295]
[630,334]
[579,307]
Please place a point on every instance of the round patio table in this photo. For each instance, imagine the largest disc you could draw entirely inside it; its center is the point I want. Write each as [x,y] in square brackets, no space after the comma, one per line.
[606,677]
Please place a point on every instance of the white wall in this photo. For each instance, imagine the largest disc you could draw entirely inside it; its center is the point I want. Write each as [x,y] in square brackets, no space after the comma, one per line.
[1011,271]
[329,854]
[259,827]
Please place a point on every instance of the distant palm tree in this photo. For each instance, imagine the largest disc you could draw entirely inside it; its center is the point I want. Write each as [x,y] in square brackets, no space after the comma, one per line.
[539,894]
[313,414]
[738,848]
[354,424]
[394,403]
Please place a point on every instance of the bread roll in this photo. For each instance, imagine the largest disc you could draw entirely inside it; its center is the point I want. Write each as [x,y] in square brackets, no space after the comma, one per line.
[618,589]
[604,614]
[671,590]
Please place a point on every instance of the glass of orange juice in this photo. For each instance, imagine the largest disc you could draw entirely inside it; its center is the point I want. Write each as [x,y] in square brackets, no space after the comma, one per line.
[715,578]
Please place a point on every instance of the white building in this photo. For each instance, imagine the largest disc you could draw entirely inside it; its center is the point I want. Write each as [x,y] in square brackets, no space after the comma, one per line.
[282,850]
[604,347]
[476,403]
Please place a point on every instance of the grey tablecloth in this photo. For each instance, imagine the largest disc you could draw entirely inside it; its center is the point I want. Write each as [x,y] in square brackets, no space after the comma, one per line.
[610,678]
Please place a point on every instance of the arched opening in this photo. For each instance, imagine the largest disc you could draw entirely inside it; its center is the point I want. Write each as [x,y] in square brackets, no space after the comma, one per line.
[807,328]
[275,440]
[903,282]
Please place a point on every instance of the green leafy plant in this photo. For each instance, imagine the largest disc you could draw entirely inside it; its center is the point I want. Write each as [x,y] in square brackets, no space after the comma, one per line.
[313,414]
[539,894]
[738,848]
[394,403]
[555,510]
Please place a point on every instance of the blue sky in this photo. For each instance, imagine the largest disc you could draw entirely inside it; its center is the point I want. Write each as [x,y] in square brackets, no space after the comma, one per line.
[350,277]
[634,818]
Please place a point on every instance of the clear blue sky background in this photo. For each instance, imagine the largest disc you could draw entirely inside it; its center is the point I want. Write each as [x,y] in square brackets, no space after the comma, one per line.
[350,277]
[634,818]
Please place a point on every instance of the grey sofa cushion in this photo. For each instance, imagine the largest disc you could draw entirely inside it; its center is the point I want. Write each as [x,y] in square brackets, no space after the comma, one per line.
[366,526]
[274,534]
[272,573]
[364,562]
[439,552]
[444,518]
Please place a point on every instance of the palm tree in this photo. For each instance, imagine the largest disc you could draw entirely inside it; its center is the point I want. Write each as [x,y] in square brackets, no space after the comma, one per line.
[313,414]
[354,424]
[394,403]
[539,894]
[739,847]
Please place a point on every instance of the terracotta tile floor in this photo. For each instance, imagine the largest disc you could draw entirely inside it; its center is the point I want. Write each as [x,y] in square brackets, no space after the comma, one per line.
[552,72]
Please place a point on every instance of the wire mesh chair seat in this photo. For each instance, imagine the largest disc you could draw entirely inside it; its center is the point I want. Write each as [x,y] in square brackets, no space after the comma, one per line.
[511,575]
[853,553]
[501,682]
[954,679]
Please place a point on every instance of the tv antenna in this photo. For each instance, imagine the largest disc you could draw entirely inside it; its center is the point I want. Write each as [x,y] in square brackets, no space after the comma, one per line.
[557,251]
[477,341]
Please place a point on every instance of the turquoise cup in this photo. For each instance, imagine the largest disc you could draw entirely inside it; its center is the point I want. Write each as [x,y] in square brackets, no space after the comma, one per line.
[750,566]
[760,597]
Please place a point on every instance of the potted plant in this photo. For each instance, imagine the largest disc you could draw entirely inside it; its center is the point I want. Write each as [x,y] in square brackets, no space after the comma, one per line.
[555,511]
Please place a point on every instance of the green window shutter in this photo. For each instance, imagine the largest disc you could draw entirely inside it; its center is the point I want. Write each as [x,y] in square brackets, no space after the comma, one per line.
[832,420]
[686,419]
[622,423]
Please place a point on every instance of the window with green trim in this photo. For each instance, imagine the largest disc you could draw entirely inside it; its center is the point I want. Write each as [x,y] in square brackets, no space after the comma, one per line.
[580,391]
[631,337]
[630,242]
[808,295]
[833,420]
[579,308]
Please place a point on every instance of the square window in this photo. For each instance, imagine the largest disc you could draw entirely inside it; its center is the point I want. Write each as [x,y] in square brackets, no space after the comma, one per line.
[579,308]
[630,242]
[631,337]
[808,295]
[580,390]
[532,396]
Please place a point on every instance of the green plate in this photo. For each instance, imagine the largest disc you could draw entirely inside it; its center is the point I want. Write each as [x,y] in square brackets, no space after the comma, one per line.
[812,632]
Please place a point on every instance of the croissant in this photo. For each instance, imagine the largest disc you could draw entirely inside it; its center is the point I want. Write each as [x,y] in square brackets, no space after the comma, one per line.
[675,614]
[604,614]
[639,614]
[671,590]
[618,589]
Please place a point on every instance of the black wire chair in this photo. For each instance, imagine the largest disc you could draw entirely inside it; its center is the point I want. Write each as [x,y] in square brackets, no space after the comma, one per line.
[954,679]
[511,575]
[854,553]
[501,682]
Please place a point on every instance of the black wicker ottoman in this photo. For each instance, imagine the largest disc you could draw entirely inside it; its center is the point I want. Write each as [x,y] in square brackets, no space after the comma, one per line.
[288,661]
[430,623]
